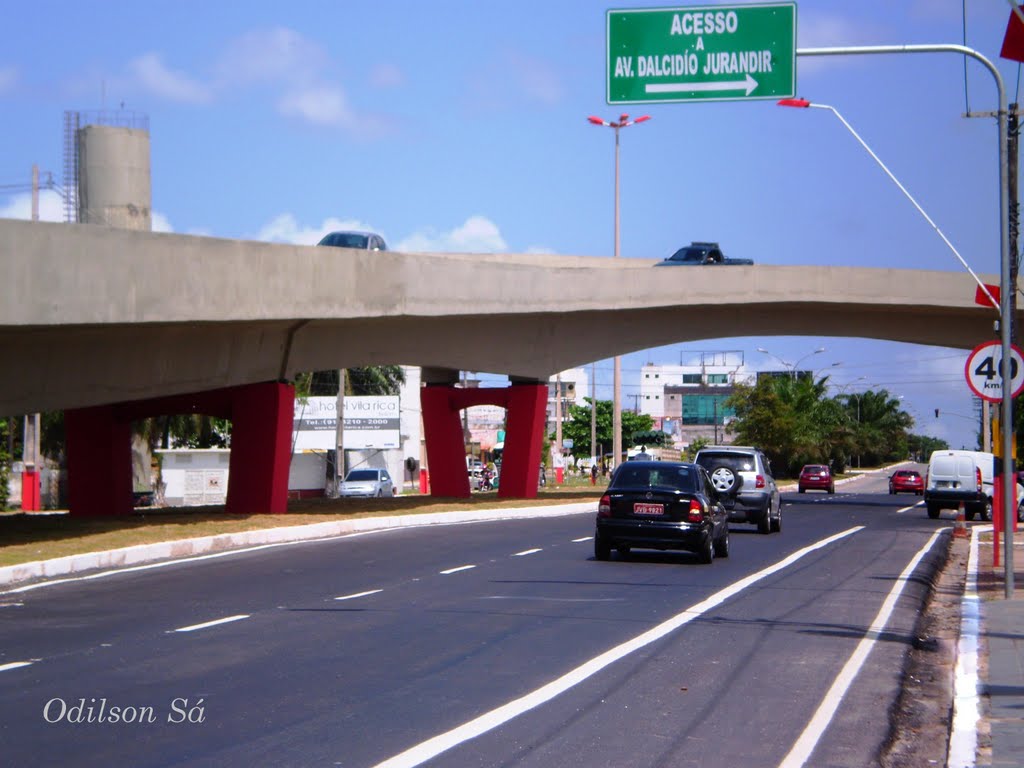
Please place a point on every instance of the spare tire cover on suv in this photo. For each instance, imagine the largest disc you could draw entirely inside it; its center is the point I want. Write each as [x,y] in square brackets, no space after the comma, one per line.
[726,468]
[725,479]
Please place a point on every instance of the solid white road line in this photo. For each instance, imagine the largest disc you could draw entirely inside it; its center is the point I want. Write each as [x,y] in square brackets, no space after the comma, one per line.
[214,623]
[585,538]
[359,594]
[526,552]
[812,734]
[456,570]
[14,665]
[429,749]
[963,735]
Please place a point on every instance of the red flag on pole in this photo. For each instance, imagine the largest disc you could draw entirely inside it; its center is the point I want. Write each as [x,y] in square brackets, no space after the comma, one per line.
[1013,41]
[985,301]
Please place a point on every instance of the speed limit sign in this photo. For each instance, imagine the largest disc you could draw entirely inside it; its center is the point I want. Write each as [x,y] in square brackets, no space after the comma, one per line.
[984,371]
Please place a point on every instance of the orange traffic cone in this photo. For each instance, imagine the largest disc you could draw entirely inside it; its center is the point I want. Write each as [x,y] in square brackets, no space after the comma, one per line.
[960,528]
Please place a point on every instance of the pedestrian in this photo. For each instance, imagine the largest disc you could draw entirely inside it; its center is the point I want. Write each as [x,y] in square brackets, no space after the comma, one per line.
[593,473]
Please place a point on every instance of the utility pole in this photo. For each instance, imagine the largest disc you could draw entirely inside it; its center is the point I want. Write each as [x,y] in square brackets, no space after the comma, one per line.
[339,433]
[593,411]
[30,444]
[1012,136]
[558,421]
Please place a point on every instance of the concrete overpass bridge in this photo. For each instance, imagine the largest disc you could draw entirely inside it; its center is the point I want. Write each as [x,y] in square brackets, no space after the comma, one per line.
[92,316]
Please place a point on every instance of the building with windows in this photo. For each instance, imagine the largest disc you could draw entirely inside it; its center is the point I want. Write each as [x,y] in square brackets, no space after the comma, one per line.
[689,400]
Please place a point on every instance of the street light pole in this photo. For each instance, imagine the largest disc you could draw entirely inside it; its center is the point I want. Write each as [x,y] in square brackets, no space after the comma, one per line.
[805,104]
[623,122]
[792,366]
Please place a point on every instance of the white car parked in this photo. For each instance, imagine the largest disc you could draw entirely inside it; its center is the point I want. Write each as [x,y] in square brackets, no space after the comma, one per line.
[367,482]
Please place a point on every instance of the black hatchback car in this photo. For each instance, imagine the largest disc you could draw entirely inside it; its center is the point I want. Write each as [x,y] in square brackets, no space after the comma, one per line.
[661,505]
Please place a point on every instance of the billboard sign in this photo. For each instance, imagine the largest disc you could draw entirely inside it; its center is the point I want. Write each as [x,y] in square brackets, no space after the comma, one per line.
[371,421]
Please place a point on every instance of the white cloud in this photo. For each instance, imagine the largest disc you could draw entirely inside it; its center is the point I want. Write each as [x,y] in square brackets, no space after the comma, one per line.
[320,105]
[476,235]
[286,229]
[160,223]
[278,55]
[153,76]
[51,206]
[8,77]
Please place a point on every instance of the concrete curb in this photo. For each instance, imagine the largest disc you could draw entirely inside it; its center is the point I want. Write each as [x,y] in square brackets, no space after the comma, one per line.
[146,553]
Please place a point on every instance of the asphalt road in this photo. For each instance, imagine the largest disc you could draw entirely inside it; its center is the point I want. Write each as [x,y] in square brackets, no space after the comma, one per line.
[488,644]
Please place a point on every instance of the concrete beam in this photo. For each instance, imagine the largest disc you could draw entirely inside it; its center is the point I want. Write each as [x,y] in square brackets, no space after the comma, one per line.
[91,315]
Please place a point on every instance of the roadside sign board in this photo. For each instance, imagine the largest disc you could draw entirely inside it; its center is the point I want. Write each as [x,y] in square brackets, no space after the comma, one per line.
[701,53]
[984,371]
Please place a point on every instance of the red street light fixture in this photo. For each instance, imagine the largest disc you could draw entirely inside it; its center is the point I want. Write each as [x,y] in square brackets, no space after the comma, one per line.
[623,122]
[804,104]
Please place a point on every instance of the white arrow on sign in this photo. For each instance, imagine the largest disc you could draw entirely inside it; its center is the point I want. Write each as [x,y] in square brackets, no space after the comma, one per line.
[748,85]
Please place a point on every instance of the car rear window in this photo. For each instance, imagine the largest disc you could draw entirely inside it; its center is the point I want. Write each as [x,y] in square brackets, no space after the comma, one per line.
[736,461]
[815,468]
[362,474]
[676,478]
[345,240]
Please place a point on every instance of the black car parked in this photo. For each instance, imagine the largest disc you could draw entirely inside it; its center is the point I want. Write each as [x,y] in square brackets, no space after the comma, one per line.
[661,505]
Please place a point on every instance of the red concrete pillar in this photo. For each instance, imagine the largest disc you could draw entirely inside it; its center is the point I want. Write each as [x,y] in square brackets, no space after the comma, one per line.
[261,431]
[446,451]
[99,449]
[30,491]
[524,439]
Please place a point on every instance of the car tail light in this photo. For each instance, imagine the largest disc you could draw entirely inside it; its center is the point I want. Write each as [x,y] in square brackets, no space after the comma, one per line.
[977,478]
[759,482]
[604,506]
[696,511]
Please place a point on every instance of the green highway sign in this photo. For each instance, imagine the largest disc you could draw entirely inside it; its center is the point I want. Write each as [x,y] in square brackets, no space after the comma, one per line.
[702,53]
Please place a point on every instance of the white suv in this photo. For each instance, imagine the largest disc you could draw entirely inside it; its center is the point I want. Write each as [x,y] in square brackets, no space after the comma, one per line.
[743,478]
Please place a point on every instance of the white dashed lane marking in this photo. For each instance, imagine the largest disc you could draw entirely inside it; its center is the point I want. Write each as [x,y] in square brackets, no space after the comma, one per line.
[456,570]
[214,623]
[359,594]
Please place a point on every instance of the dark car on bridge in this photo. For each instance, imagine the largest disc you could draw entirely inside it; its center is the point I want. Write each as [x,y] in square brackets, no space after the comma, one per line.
[661,505]
[906,481]
[700,253]
[816,477]
[366,241]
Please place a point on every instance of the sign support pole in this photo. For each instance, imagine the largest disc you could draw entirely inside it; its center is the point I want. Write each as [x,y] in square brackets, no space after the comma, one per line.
[1006,288]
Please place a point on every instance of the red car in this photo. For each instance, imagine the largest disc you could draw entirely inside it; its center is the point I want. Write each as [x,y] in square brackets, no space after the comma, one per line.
[908,480]
[816,477]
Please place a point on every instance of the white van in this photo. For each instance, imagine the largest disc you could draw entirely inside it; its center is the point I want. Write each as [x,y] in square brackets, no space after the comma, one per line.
[960,476]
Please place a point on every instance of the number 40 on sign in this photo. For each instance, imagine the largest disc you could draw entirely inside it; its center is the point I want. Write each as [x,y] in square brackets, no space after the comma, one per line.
[984,371]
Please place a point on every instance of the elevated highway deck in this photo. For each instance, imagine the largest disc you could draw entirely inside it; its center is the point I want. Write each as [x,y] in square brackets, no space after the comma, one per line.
[92,315]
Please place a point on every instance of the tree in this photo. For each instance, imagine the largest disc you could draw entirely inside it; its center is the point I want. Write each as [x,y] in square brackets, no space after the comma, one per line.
[880,426]
[793,421]
[371,380]
[576,426]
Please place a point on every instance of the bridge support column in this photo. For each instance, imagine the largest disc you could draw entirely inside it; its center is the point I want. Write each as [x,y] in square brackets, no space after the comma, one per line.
[524,440]
[100,459]
[446,450]
[261,443]
[99,446]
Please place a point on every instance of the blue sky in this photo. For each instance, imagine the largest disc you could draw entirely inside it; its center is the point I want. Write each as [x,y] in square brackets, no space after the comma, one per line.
[459,125]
